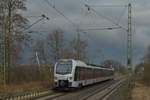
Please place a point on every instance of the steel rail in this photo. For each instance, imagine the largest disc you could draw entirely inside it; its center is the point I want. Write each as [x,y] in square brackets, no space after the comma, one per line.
[110,92]
[105,92]
[59,95]
[97,91]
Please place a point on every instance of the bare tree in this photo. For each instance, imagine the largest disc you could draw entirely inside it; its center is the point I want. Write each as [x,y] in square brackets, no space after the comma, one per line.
[14,22]
[78,49]
[118,67]
[39,58]
[110,63]
[68,53]
[56,44]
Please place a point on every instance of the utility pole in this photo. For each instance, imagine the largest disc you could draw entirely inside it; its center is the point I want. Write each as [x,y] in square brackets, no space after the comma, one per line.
[8,40]
[2,57]
[2,48]
[129,38]
[78,46]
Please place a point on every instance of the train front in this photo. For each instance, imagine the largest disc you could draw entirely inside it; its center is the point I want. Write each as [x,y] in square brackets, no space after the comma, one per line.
[63,74]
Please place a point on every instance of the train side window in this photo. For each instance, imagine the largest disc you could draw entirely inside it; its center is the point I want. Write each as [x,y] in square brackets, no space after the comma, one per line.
[77,74]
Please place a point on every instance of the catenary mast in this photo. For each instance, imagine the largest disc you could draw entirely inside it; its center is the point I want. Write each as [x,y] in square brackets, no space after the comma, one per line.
[129,38]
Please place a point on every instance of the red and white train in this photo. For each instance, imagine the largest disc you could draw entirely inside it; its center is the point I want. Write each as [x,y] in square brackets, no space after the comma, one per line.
[69,73]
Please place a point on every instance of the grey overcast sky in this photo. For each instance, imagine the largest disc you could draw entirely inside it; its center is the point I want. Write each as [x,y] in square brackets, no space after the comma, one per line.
[102,44]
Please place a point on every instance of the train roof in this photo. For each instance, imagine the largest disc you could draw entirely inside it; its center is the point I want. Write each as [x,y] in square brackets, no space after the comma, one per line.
[83,64]
[99,66]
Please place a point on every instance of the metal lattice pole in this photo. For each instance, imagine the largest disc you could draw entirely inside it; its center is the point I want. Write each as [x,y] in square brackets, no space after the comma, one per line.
[78,46]
[2,57]
[129,37]
[3,49]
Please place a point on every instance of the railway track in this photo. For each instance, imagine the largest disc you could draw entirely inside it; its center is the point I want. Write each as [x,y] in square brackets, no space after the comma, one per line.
[67,95]
[103,94]
[96,91]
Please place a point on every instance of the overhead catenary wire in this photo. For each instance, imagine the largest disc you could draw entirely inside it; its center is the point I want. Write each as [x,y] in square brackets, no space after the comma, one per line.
[43,17]
[109,6]
[101,15]
[61,13]
[82,30]
[58,11]
[78,29]
[30,16]
[107,18]
[121,15]
[28,27]
[51,17]
[103,28]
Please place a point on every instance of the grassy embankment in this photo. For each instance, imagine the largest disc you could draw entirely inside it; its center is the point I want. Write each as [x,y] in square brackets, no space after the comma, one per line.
[26,79]
[14,89]
[140,91]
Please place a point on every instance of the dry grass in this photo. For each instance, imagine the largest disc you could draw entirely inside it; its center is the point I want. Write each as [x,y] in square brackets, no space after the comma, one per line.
[24,87]
[141,92]
[119,76]
[26,78]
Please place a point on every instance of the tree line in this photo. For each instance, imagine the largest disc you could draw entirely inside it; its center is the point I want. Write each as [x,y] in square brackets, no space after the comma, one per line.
[56,47]
[143,69]
[118,67]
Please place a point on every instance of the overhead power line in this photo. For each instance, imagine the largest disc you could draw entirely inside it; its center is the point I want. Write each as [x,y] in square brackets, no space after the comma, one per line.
[58,11]
[101,15]
[32,16]
[103,28]
[43,17]
[78,29]
[121,15]
[109,6]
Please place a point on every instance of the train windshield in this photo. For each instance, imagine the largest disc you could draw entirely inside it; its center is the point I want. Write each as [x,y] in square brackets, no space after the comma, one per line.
[64,68]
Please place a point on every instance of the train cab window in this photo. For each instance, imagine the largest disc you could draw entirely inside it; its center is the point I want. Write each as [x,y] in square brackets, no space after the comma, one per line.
[64,68]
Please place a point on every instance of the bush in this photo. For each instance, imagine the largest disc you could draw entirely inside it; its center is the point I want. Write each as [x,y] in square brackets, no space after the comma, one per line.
[26,73]
[146,76]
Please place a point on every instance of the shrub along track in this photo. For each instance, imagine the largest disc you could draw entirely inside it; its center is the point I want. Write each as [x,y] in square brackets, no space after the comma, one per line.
[85,93]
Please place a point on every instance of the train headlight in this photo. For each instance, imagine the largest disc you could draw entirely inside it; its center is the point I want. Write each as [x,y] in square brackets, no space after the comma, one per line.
[55,78]
[70,78]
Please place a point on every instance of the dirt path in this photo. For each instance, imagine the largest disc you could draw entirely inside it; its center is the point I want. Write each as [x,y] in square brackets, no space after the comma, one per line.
[141,92]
